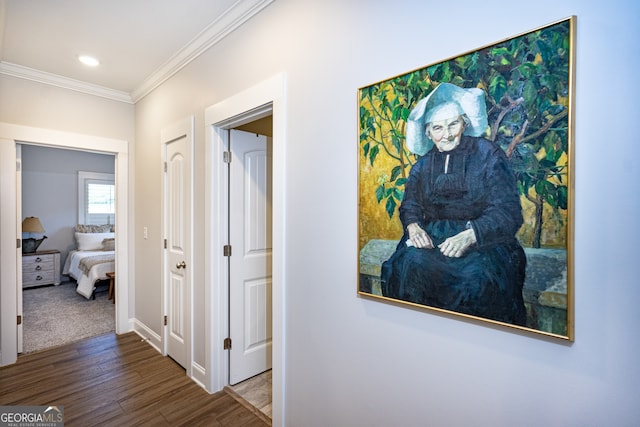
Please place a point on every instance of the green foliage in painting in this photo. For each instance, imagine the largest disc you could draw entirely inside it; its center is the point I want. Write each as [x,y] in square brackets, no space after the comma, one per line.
[526,81]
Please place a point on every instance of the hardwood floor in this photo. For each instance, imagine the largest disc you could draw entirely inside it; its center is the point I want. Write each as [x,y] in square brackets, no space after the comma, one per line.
[114,380]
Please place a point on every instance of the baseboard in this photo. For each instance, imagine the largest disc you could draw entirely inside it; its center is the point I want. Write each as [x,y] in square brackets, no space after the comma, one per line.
[198,372]
[148,335]
[199,375]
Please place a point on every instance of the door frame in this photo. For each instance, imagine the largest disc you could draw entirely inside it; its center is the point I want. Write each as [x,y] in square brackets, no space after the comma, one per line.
[18,209]
[11,134]
[264,99]
[182,129]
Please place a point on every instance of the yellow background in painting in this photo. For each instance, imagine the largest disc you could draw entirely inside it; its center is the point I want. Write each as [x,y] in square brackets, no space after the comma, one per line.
[374,223]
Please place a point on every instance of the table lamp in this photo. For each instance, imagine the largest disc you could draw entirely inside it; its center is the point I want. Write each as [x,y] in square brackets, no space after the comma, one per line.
[31,225]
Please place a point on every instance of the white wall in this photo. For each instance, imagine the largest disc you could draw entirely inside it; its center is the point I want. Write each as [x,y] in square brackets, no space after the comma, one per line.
[23,102]
[355,362]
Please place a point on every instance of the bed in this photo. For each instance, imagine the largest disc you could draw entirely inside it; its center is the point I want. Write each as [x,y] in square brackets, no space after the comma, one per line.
[93,258]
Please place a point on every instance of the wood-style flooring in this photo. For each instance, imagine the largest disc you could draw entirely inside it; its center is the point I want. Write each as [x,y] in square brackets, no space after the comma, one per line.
[119,381]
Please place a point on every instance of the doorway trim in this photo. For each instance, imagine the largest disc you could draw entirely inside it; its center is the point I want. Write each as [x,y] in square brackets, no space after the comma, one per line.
[265,98]
[11,134]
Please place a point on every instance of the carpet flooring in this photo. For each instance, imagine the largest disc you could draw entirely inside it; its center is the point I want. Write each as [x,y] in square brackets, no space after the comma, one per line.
[57,315]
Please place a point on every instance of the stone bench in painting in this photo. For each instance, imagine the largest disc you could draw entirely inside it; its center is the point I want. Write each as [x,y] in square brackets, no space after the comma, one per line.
[545,287]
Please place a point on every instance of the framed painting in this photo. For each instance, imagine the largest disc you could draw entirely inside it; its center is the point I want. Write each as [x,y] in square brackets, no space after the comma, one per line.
[465,184]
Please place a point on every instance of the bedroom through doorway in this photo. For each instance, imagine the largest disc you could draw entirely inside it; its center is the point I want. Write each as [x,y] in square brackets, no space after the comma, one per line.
[72,194]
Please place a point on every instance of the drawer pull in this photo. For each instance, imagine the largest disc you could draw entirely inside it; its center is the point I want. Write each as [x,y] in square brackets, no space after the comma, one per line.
[38,277]
[38,268]
[38,259]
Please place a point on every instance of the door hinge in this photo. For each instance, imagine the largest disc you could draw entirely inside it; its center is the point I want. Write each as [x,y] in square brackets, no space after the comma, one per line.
[165,320]
[227,343]
[226,157]
[18,243]
[226,251]
[165,166]
[165,243]
[18,166]
[19,319]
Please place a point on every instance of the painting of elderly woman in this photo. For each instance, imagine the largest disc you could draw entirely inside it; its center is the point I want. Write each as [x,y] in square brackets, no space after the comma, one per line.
[464,201]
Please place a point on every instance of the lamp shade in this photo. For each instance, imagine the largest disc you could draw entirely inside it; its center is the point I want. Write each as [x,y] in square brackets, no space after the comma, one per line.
[32,224]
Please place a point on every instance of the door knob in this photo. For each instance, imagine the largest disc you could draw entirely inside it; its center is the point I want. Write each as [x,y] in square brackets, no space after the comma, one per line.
[180,265]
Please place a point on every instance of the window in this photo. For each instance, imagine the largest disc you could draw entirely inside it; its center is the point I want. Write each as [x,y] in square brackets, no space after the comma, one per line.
[96,198]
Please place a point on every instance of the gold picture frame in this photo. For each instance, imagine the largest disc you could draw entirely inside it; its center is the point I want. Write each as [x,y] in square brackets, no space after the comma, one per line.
[525,89]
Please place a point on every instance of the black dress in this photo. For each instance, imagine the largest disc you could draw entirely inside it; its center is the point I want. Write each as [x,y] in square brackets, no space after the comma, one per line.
[478,191]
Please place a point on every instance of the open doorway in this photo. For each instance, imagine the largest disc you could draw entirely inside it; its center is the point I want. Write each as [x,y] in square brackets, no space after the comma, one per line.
[10,227]
[250,262]
[65,287]
[256,102]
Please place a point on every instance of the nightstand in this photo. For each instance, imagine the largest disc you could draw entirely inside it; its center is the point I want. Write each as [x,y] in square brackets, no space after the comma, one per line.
[41,268]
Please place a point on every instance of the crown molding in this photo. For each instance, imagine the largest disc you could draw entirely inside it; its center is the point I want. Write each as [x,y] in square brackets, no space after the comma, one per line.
[63,82]
[231,19]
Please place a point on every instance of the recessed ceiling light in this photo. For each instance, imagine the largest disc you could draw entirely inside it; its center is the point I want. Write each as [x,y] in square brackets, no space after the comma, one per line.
[89,60]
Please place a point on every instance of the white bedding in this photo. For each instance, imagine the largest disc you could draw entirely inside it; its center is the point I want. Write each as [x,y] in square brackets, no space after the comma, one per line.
[86,283]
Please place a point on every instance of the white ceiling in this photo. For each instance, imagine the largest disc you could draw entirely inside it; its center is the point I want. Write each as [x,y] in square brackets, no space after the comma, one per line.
[140,43]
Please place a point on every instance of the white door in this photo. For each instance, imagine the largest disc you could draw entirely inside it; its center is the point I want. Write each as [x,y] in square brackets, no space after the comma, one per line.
[250,192]
[178,261]
[19,306]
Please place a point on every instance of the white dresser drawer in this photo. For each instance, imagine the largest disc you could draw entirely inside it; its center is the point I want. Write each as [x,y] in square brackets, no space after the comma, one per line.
[41,268]
[35,266]
[37,278]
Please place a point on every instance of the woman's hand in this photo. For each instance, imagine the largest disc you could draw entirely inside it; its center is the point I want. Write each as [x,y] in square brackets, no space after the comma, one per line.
[456,246]
[419,237]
